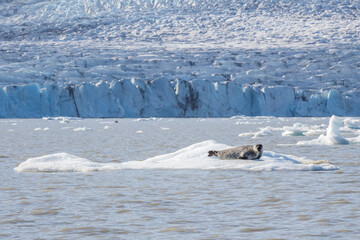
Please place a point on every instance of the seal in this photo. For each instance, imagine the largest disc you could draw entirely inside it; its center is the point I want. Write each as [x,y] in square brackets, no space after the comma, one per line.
[243,152]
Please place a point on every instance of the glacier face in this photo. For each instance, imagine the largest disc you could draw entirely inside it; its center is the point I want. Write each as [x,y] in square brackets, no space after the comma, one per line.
[163,98]
[134,58]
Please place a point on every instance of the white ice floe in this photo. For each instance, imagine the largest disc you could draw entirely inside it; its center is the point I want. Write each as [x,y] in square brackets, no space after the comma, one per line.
[293,132]
[61,162]
[296,130]
[267,131]
[41,129]
[147,119]
[60,119]
[191,157]
[352,123]
[333,134]
[82,129]
[299,129]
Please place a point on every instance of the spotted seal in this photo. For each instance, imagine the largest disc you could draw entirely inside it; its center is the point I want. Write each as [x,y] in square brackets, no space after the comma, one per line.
[243,152]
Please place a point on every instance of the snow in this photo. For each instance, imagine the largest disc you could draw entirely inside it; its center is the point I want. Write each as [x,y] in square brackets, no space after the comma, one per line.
[191,157]
[144,58]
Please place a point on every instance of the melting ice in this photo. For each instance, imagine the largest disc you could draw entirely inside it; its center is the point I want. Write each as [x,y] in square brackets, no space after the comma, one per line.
[332,136]
[191,157]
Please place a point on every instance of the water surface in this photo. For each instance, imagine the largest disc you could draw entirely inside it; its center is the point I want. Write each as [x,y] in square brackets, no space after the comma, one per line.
[170,203]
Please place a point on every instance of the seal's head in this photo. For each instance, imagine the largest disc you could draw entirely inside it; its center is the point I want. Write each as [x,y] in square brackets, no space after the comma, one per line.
[259,147]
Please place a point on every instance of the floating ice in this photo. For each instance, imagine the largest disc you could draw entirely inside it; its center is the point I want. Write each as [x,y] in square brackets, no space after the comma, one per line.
[351,123]
[299,129]
[267,131]
[82,129]
[148,119]
[191,157]
[247,134]
[295,130]
[61,162]
[263,132]
[41,129]
[333,135]
[333,131]
[354,140]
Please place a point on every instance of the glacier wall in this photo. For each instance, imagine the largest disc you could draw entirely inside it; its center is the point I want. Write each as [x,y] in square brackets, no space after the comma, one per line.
[163,98]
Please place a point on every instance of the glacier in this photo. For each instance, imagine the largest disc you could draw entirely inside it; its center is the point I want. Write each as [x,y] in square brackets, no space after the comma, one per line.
[172,58]
[163,98]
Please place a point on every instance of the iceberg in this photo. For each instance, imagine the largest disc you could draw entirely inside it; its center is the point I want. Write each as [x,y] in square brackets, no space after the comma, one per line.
[333,135]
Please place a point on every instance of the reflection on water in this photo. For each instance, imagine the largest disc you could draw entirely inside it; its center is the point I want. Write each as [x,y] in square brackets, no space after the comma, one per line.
[168,203]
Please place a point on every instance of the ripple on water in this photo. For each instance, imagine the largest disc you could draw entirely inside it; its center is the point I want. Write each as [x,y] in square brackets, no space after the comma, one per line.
[93,231]
[38,212]
[256,229]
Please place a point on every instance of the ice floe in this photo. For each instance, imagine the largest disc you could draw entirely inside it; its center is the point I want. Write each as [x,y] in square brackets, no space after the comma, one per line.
[191,157]
[82,129]
[41,129]
[266,131]
[299,129]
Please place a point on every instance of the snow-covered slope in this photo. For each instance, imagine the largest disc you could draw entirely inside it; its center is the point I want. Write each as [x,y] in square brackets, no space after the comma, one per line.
[309,48]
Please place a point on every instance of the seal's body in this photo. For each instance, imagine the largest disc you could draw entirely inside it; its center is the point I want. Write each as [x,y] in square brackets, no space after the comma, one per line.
[243,152]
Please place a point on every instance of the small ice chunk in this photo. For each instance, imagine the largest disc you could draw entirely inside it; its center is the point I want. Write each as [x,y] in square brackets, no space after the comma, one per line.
[263,132]
[82,129]
[296,130]
[352,124]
